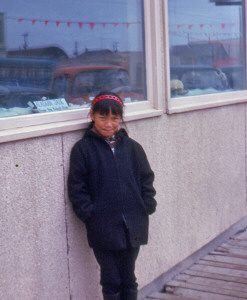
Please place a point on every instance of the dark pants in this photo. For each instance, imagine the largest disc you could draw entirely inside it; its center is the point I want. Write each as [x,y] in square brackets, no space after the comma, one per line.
[117,270]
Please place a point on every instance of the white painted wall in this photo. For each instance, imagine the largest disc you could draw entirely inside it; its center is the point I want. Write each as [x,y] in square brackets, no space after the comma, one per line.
[199,161]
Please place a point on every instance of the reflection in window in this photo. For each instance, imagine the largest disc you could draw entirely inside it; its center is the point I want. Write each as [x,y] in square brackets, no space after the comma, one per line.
[73,52]
[206,47]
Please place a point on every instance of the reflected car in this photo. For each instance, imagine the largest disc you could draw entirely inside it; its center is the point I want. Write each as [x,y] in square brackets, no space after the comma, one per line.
[79,84]
[19,96]
[199,77]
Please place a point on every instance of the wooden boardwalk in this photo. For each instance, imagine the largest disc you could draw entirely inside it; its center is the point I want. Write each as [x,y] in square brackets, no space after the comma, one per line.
[220,275]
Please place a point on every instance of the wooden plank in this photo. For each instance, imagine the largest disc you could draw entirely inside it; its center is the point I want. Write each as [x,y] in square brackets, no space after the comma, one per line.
[239,243]
[219,270]
[241,236]
[221,249]
[228,246]
[229,254]
[221,265]
[212,282]
[224,277]
[231,249]
[182,277]
[226,259]
[211,289]
[166,296]
[192,294]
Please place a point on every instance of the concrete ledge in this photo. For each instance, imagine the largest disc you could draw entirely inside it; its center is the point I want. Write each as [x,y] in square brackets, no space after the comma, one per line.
[158,284]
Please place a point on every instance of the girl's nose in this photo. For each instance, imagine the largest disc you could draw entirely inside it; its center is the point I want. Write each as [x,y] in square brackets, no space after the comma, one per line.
[108,123]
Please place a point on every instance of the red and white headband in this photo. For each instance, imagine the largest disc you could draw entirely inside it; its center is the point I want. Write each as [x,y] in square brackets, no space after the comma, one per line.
[108,97]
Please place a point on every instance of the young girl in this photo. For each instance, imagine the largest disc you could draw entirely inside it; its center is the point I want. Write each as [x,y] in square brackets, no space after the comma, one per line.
[110,186]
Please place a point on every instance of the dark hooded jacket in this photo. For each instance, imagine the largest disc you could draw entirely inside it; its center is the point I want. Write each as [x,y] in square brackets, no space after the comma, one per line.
[111,192]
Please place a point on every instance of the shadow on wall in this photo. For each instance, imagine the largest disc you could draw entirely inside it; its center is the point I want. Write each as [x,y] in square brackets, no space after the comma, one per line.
[83,269]
[84,273]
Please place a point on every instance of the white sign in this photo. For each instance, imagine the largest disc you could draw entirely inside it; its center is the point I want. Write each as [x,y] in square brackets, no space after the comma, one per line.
[51,105]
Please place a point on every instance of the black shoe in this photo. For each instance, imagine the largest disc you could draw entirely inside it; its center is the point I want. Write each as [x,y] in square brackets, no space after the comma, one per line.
[111,296]
[129,295]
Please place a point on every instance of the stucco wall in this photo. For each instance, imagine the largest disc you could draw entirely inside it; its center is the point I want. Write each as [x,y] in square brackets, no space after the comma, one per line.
[199,161]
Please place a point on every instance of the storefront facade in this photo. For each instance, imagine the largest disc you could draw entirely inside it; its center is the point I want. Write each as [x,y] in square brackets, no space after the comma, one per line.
[182,75]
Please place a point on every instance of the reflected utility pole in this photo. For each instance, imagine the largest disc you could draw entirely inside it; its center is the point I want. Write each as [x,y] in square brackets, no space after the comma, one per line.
[76,49]
[25,44]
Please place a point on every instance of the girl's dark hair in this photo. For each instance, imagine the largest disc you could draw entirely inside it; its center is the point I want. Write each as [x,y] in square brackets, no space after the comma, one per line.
[105,106]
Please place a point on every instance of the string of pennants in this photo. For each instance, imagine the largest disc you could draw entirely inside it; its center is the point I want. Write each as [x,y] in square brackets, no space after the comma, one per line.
[194,32]
[202,26]
[115,24]
[69,23]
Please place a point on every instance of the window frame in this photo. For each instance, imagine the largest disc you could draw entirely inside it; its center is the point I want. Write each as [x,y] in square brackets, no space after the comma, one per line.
[43,124]
[191,103]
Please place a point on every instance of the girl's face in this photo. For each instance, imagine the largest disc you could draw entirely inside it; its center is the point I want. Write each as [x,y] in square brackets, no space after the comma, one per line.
[106,125]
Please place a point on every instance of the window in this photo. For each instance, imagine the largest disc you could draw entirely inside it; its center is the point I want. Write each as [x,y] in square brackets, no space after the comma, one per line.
[56,55]
[206,53]
[71,49]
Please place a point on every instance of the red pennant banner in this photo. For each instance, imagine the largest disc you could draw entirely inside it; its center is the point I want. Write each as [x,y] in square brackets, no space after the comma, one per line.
[80,24]
[189,26]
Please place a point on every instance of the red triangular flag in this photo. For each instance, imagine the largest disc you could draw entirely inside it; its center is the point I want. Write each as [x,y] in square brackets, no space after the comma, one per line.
[80,24]
[33,21]
[92,25]
[68,23]
[20,20]
[46,22]
[57,23]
